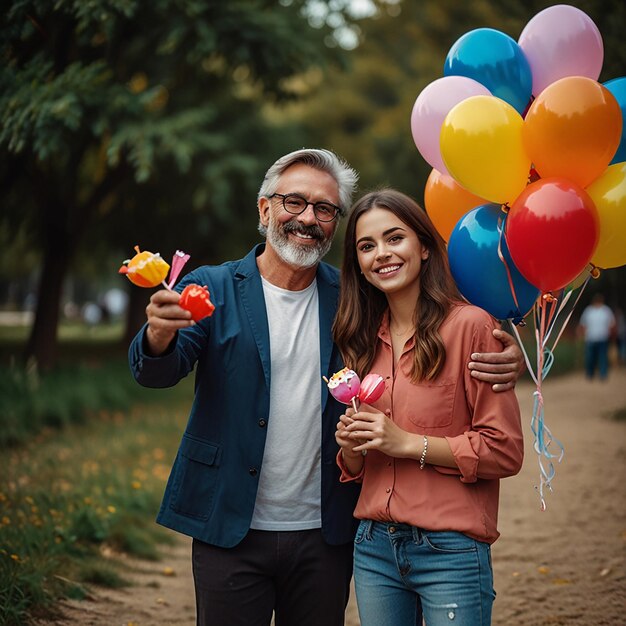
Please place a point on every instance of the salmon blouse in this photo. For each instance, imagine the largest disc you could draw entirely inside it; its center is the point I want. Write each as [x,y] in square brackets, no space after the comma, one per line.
[481,426]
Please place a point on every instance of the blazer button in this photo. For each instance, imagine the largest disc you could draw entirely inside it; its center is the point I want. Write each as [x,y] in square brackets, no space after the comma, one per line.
[262,423]
[253,471]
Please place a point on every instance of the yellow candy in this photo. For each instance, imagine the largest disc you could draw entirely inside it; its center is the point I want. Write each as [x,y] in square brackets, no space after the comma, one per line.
[145,269]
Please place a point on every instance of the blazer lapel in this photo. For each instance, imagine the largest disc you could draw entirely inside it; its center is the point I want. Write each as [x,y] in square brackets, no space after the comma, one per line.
[251,293]
[328,293]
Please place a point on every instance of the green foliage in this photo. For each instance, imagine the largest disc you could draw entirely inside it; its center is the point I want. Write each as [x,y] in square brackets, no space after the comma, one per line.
[71,502]
[30,402]
[141,114]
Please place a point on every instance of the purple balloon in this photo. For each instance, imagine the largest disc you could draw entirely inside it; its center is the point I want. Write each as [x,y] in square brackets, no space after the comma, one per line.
[430,109]
[561,41]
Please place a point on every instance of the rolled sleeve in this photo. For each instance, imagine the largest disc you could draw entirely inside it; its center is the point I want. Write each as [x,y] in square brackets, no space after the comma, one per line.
[346,476]
[493,447]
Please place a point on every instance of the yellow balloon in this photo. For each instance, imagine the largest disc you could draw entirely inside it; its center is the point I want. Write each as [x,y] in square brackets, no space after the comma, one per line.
[482,148]
[609,195]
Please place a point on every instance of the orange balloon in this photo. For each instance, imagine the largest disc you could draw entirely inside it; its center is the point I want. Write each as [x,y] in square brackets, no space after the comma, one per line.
[447,202]
[573,129]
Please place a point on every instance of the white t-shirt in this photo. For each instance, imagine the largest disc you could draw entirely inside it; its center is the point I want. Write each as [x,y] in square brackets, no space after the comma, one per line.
[597,321]
[289,493]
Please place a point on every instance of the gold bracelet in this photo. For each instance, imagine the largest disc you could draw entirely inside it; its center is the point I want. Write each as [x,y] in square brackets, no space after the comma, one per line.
[423,457]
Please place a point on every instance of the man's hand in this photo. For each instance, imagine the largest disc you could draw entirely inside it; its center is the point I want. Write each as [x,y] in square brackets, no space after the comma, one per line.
[165,319]
[502,369]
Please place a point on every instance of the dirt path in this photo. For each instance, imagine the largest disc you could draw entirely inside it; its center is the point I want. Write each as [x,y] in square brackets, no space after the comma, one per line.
[564,566]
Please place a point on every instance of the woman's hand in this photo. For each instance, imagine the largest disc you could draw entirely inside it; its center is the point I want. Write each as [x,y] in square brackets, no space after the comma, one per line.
[378,432]
[502,369]
[353,459]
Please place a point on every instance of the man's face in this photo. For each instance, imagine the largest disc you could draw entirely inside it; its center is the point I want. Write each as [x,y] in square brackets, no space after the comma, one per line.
[300,240]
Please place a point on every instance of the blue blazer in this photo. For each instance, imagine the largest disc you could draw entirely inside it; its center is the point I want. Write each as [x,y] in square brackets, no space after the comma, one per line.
[212,487]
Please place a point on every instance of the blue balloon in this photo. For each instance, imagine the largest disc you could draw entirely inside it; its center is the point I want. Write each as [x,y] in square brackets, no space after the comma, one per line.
[478,271]
[495,60]
[617,86]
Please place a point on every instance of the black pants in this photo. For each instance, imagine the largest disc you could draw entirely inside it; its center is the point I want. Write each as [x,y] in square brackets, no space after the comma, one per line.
[295,574]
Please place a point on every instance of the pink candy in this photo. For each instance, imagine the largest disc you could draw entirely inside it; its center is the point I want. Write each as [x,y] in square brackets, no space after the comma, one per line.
[372,387]
[345,386]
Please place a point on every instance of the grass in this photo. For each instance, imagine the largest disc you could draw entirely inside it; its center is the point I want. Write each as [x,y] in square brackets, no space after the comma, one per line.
[84,456]
[70,499]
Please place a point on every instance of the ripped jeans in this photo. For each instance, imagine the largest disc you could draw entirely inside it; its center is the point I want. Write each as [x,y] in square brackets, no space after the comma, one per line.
[402,573]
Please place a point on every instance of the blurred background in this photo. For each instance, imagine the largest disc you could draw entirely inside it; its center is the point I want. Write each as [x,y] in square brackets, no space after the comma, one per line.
[151,124]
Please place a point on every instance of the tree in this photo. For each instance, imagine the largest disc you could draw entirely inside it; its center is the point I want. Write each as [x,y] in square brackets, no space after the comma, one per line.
[112,108]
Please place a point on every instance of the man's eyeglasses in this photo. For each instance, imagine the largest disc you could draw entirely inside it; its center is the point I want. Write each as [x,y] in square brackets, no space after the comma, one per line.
[295,204]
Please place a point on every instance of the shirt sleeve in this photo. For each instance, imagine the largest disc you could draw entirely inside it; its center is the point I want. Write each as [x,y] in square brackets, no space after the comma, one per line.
[346,476]
[493,447]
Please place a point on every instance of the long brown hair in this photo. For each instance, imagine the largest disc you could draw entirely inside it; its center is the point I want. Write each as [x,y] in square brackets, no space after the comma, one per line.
[361,305]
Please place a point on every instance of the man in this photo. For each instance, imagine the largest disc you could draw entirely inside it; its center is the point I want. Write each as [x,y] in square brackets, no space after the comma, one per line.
[255,481]
[597,324]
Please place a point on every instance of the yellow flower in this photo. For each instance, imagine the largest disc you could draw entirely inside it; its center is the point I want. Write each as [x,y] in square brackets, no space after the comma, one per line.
[138,82]
[111,508]
[15,557]
[135,484]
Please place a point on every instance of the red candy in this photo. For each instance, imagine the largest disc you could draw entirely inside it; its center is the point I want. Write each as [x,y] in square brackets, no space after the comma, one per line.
[195,299]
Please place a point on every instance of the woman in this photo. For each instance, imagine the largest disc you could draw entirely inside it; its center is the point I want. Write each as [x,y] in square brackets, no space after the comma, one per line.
[430,453]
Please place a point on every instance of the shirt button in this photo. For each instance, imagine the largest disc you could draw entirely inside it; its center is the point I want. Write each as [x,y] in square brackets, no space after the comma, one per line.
[262,423]
[253,471]
[388,490]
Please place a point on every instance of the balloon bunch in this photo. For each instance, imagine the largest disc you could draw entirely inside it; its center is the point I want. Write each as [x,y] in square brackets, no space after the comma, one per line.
[148,269]
[529,175]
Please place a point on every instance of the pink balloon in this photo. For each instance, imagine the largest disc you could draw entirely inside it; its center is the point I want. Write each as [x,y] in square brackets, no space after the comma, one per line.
[430,109]
[561,41]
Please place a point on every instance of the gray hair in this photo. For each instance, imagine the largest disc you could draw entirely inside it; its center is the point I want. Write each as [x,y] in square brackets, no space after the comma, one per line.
[323,160]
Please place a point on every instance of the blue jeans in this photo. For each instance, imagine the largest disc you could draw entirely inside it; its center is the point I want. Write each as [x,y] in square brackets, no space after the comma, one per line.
[402,572]
[597,356]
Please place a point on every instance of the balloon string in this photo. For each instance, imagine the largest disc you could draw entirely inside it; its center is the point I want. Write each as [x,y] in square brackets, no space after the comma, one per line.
[543,439]
[509,277]
[569,315]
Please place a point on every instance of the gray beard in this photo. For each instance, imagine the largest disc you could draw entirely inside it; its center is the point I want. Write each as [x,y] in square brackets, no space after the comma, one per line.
[291,253]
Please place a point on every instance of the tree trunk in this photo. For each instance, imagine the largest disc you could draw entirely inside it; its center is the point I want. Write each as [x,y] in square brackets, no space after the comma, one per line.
[42,344]
[136,313]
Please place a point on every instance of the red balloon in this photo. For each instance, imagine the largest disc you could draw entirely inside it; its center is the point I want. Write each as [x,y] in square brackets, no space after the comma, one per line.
[552,231]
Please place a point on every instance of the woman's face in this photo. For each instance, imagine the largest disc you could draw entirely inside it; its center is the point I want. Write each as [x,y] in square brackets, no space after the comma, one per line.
[389,252]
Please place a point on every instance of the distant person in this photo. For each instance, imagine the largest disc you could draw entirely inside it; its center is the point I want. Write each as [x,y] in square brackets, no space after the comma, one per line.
[255,481]
[597,324]
[620,335]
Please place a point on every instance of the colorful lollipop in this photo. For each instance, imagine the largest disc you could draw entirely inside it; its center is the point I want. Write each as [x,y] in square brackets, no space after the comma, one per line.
[372,387]
[147,269]
[345,386]
[195,299]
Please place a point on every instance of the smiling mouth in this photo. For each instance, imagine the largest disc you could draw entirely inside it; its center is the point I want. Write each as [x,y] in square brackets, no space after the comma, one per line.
[388,269]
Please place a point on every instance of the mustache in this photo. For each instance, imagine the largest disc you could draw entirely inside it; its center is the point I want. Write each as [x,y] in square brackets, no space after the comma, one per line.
[312,230]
